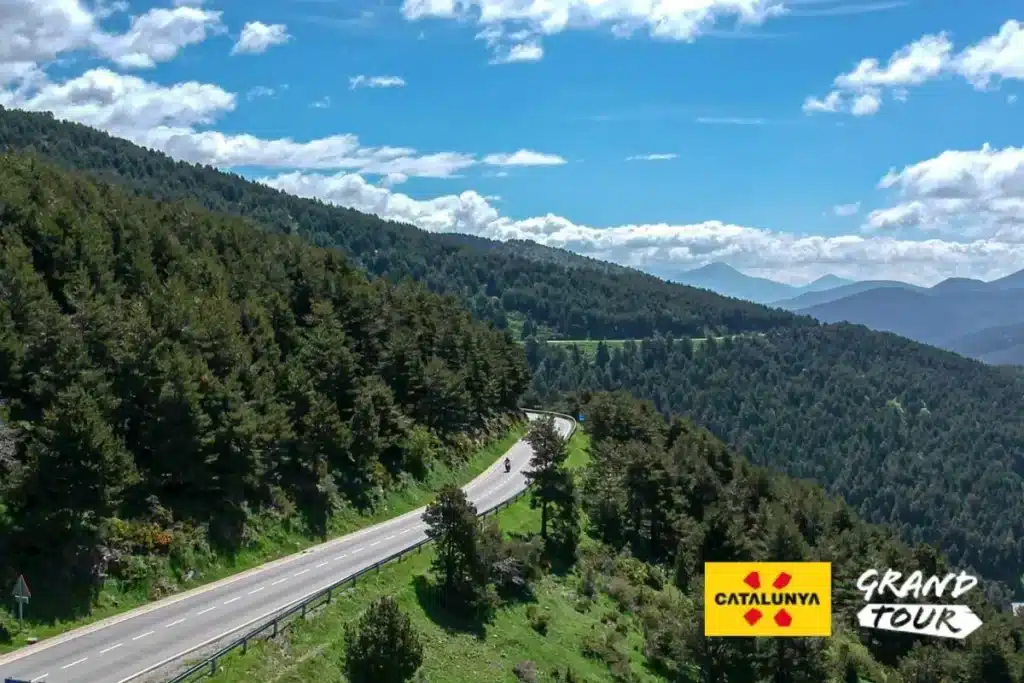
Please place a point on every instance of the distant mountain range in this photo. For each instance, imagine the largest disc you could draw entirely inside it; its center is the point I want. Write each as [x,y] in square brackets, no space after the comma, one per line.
[978,319]
[817,298]
[982,320]
[723,279]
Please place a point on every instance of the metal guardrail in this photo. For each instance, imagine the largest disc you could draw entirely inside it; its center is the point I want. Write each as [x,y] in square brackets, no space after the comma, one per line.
[280,622]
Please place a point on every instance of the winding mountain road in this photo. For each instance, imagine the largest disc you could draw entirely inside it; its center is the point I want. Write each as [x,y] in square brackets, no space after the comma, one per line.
[133,644]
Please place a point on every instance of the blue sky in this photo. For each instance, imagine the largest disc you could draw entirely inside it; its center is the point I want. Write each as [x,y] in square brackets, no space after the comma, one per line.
[531,118]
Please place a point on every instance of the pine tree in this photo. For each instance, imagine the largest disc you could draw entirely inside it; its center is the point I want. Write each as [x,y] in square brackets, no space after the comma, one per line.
[546,474]
[384,647]
[459,561]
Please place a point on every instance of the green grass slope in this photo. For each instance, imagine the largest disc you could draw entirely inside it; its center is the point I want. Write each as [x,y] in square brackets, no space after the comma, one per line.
[618,618]
[314,650]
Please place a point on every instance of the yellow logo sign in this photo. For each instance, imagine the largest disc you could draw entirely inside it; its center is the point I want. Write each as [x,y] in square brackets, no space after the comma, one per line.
[768,599]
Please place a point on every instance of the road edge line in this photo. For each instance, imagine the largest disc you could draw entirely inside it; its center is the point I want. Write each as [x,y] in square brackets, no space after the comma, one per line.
[115,619]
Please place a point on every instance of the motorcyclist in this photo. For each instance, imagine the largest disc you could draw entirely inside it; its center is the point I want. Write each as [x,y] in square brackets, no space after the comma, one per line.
[508,465]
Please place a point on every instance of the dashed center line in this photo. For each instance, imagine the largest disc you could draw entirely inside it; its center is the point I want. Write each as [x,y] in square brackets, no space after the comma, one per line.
[402,532]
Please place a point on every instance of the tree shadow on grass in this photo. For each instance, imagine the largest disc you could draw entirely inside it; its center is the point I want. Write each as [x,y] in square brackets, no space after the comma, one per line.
[431,600]
[561,565]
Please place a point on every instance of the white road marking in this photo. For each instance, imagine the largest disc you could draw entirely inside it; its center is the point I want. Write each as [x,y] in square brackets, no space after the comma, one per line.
[279,581]
[147,633]
[131,678]
[77,661]
[112,647]
[256,590]
[321,565]
[417,529]
[375,543]
[39,678]
[208,609]
[174,623]
[356,550]
[300,573]
[228,602]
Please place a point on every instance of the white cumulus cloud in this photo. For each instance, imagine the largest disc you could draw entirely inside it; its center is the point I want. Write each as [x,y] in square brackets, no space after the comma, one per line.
[362,81]
[524,157]
[158,36]
[859,92]
[846,209]
[972,193]
[523,52]
[510,21]
[123,104]
[999,56]
[35,31]
[258,37]
[172,118]
[667,249]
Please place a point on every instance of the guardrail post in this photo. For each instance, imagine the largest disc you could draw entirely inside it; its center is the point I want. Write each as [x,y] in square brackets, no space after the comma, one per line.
[274,623]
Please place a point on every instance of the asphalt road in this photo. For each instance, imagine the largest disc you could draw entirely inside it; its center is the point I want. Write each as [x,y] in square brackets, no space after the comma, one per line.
[130,645]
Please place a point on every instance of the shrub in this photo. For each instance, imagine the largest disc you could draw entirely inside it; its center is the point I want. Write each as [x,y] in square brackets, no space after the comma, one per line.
[588,583]
[526,671]
[622,593]
[656,577]
[9,626]
[384,648]
[538,620]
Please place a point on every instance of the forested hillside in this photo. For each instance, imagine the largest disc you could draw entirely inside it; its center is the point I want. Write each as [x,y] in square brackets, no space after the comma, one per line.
[912,436]
[624,602]
[172,373]
[574,302]
[668,493]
